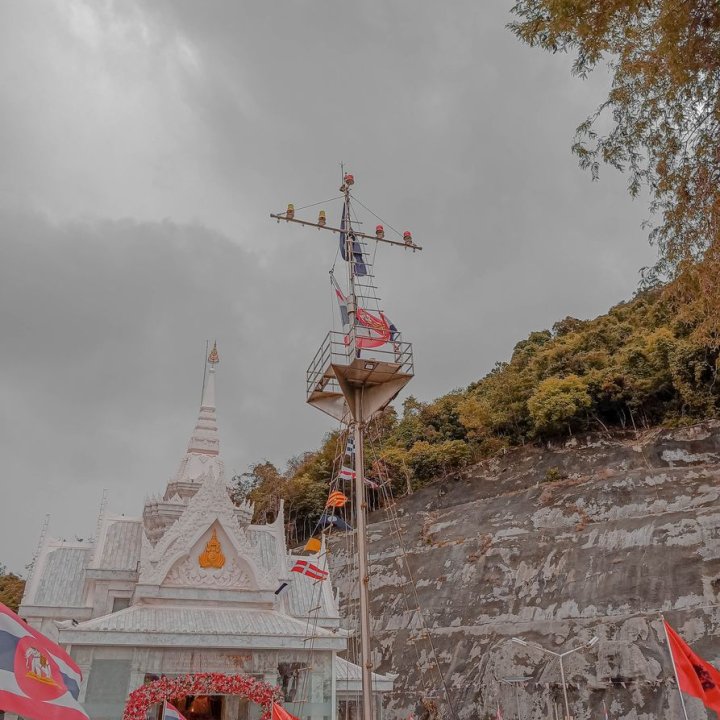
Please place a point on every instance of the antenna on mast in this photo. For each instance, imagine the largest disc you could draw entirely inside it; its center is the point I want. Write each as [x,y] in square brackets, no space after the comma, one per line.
[407,241]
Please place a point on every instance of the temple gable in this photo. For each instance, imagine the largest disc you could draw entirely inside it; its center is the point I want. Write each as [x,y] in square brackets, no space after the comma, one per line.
[212,562]
[177,555]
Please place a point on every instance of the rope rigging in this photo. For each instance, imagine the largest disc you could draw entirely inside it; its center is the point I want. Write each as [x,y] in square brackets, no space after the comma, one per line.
[430,676]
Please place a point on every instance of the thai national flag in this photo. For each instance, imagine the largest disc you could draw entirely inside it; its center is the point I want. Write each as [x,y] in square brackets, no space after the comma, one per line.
[38,679]
[172,713]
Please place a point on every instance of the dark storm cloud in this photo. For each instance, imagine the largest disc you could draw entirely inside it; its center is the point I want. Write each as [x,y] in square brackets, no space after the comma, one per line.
[213,114]
[104,327]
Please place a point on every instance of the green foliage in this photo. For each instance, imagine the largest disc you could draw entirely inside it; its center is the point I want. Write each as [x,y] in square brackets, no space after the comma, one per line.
[12,588]
[660,122]
[558,403]
[431,460]
[554,474]
[639,365]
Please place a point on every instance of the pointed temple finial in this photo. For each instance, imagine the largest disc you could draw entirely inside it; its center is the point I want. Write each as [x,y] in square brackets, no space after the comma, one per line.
[213,357]
[205,439]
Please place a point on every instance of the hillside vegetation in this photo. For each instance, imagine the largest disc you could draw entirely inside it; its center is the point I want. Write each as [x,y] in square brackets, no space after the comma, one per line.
[638,366]
[11,588]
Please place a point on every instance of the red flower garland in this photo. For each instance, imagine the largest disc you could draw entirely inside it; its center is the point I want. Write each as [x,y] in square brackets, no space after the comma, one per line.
[166,688]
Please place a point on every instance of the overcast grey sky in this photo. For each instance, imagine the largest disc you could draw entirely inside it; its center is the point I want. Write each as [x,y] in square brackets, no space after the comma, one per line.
[142,146]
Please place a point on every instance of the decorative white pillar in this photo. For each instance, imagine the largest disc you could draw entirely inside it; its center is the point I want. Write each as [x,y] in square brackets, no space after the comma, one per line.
[333,688]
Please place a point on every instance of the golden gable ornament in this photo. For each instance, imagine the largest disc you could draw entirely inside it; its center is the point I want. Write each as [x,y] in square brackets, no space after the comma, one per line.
[212,556]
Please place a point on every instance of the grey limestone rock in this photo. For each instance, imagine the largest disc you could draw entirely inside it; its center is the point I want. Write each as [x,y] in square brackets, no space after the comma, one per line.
[556,545]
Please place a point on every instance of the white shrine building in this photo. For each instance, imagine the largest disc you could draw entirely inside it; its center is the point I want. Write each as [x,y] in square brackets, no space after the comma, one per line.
[190,587]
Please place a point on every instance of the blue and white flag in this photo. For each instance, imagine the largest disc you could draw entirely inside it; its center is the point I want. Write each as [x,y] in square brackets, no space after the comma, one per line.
[333,520]
[359,260]
[394,332]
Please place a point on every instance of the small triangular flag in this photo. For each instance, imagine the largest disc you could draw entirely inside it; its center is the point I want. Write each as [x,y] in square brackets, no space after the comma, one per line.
[278,712]
[313,545]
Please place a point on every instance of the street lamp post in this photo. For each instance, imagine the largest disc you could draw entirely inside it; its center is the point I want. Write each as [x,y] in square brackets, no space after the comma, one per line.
[516,681]
[560,657]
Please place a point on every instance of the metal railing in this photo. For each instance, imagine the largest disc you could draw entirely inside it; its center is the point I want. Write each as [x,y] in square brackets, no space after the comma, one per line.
[343,349]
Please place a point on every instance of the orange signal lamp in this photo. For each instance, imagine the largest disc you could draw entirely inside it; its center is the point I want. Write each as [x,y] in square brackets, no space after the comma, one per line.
[290,211]
[407,237]
[380,232]
[321,218]
[349,179]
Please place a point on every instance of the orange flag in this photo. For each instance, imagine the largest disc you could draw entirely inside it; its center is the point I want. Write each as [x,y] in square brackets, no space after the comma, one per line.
[280,713]
[696,676]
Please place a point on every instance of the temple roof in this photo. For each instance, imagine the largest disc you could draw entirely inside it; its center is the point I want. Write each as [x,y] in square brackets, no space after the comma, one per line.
[196,572]
[59,581]
[119,544]
[153,625]
[200,461]
[205,439]
[349,678]
[303,597]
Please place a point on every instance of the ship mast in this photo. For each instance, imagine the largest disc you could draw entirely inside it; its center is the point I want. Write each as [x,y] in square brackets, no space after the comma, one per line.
[352,378]
[360,492]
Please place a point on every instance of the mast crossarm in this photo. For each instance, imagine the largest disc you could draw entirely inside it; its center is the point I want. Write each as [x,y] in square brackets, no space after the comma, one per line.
[409,246]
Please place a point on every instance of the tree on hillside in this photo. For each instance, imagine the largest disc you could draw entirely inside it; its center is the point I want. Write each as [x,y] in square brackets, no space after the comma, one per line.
[263,485]
[640,365]
[661,119]
[558,402]
[12,588]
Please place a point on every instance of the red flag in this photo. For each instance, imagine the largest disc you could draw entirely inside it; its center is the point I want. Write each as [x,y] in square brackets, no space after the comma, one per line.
[280,713]
[696,676]
[307,568]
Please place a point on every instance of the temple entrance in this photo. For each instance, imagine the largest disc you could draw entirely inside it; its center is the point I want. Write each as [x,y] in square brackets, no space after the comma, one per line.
[200,707]
[214,707]
[202,696]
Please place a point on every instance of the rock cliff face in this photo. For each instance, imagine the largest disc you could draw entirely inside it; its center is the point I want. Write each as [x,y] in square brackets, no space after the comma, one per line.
[555,546]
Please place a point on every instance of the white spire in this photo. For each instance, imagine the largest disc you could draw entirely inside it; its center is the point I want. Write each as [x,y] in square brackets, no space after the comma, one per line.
[205,439]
